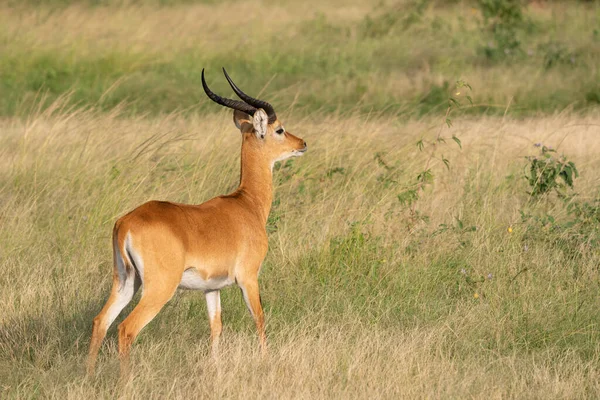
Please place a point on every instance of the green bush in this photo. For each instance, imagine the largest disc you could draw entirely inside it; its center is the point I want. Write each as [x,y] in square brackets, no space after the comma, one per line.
[548,173]
[502,20]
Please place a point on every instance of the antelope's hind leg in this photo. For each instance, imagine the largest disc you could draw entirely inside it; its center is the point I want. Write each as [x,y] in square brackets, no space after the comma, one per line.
[149,306]
[125,284]
[160,284]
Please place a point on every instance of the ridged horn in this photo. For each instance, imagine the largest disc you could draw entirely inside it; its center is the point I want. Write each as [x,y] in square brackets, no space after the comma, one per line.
[251,100]
[235,104]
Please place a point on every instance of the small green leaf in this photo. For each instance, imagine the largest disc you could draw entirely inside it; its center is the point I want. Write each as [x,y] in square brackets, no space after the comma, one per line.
[457,140]
[408,197]
[425,177]
[446,162]
[460,83]
[459,223]
[572,165]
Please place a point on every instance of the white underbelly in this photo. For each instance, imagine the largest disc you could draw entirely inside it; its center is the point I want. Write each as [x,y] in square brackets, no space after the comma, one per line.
[193,281]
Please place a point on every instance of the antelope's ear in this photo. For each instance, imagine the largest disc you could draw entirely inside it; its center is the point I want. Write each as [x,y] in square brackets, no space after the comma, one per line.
[260,122]
[240,118]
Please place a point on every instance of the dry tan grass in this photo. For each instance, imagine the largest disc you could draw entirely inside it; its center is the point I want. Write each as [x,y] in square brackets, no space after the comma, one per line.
[66,175]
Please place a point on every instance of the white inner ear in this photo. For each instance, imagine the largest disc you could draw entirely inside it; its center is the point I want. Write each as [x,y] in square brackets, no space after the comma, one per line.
[260,122]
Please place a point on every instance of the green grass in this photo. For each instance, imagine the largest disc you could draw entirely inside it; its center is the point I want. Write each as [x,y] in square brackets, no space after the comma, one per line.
[375,59]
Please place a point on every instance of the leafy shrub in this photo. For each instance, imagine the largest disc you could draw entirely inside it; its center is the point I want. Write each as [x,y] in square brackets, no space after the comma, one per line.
[548,173]
[502,19]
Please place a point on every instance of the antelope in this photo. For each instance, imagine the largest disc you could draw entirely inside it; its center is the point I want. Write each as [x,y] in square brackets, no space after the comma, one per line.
[162,246]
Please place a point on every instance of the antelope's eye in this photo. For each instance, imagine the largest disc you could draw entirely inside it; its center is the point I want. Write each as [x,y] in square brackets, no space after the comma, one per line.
[280,131]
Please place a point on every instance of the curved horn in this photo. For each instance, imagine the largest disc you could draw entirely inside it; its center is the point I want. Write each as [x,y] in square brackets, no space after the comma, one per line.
[251,100]
[235,104]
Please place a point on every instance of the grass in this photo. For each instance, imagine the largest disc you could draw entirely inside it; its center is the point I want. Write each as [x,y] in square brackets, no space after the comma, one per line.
[360,300]
[312,57]
[476,289]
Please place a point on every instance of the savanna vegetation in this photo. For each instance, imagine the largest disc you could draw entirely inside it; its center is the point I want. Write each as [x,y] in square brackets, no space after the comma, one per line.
[396,58]
[438,240]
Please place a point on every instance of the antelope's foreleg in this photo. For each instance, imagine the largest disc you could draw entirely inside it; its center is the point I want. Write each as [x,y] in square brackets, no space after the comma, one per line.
[252,297]
[213,305]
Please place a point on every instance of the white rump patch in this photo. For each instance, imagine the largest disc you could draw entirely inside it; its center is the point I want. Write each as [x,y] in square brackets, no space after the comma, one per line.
[136,259]
[124,296]
[126,290]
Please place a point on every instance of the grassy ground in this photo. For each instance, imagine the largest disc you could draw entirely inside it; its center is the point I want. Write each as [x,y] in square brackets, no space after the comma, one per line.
[360,301]
[475,290]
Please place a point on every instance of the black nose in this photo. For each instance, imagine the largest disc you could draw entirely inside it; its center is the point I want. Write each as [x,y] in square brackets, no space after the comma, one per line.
[305,144]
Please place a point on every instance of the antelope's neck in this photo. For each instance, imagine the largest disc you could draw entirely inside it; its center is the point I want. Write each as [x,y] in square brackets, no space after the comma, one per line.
[256,181]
